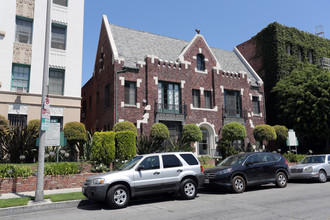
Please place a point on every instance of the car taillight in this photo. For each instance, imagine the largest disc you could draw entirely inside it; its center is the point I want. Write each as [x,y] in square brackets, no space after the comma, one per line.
[202,170]
[286,162]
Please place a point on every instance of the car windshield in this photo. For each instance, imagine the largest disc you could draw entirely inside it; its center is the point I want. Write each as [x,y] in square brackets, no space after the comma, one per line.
[313,159]
[129,165]
[233,160]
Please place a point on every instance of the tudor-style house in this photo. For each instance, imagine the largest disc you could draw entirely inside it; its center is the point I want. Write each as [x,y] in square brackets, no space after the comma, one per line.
[147,78]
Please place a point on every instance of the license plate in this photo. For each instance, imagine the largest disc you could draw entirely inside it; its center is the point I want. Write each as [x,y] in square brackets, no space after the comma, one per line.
[207,181]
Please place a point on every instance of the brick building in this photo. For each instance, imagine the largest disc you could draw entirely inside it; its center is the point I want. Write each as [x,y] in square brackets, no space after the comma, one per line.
[147,78]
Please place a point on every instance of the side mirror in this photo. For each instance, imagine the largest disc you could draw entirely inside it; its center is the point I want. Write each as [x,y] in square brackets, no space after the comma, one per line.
[140,167]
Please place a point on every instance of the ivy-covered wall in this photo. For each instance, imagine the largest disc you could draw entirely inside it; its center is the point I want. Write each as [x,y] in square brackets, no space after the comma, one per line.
[269,50]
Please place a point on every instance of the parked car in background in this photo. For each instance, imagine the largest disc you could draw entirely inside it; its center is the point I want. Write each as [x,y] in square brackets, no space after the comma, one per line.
[146,174]
[312,167]
[241,170]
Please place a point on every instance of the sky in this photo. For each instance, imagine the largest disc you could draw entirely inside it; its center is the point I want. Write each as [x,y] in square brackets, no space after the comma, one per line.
[223,23]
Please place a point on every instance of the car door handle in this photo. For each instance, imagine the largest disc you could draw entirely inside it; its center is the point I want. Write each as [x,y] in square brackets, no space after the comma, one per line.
[179,171]
[156,173]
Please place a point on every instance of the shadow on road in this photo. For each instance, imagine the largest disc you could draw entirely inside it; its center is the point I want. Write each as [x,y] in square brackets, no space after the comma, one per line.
[141,200]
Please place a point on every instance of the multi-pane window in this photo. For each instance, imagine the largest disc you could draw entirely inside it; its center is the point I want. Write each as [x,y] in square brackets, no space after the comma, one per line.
[20,77]
[207,99]
[58,37]
[17,120]
[130,93]
[61,2]
[107,96]
[168,97]
[233,106]
[56,81]
[23,31]
[255,104]
[196,98]
[200,62]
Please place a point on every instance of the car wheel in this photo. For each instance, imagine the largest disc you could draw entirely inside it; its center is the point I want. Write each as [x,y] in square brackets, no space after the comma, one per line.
[238,184]
[281,180]
[188,189]
[118,196]
[322,176]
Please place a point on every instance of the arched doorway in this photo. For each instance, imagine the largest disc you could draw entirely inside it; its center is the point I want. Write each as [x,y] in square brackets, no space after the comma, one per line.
[207,146]
[203,145]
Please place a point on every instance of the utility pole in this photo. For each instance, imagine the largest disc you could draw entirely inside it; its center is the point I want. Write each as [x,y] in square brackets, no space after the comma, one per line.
[39,194]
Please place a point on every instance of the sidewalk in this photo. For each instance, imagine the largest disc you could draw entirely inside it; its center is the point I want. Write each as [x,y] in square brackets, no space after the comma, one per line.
[32,193]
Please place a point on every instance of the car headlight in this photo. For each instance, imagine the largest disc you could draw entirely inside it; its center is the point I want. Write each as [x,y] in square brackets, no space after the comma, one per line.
[224,171]
[98,181]
[308,169]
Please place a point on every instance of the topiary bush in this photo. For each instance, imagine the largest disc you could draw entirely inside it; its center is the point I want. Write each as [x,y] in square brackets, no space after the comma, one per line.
[75,133]
[226,149]
[191,133]
[264,133]
[104,147]
[125,126]
[125,145]
[233,131]
[159,131]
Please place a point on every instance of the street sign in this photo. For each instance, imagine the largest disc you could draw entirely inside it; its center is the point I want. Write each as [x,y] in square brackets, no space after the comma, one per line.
[292,139]
[53,135]
[45,116]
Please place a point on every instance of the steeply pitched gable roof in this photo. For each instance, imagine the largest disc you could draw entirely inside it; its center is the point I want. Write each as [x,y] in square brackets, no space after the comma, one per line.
[134,45]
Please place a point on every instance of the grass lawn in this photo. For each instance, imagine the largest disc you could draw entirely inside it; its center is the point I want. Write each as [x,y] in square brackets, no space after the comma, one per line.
[4,203]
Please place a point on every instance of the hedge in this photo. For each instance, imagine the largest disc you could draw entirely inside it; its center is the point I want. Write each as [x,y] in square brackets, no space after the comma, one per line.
[104,147]
[125,145]
[125,126]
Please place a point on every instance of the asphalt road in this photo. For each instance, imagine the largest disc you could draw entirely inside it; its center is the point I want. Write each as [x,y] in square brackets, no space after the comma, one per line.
[299,200]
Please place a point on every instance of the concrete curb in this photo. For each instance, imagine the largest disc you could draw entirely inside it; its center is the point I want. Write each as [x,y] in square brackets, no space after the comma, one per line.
[43,206]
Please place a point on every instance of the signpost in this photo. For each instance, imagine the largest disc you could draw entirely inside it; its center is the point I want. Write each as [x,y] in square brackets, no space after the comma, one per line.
[45,116]
[292,140]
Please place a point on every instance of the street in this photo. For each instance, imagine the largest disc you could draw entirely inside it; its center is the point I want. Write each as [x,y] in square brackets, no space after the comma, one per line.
[299,200]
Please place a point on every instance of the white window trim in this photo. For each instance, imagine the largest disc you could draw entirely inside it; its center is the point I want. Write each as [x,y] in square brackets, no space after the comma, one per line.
[214,109]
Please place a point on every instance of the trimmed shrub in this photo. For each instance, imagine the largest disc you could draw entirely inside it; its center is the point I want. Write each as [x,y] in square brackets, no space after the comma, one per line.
[159,131]
[125,145]
[233,131]
[292,157]
[281,133]
[9,170]
[104,147]
[4,123]
[264,133]
[125,126]
[63,168]
[191,133]
[75,132]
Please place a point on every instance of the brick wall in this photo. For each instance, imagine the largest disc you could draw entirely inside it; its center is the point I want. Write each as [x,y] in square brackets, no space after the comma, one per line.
[24,184]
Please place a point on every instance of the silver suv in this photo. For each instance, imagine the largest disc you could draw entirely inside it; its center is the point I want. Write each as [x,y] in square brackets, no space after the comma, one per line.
[178,172]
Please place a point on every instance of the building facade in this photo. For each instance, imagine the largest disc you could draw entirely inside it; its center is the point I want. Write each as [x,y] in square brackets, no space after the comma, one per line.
[278,49]
[147,78]
[22,43]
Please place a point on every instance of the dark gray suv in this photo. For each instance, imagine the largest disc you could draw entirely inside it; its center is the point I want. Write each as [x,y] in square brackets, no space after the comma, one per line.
[146,174]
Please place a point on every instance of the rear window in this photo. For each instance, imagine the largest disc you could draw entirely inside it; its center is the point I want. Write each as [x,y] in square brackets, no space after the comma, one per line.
[190,159]
[171,161]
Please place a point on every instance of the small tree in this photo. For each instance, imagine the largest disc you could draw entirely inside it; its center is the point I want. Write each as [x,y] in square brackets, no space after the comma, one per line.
[159,131]
[281,134]
[191,133]
[125,126]
[233,131]
[75,133]
[264,133]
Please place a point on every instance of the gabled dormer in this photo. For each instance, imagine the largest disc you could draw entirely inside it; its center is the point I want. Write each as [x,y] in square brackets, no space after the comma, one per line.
[199,55]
